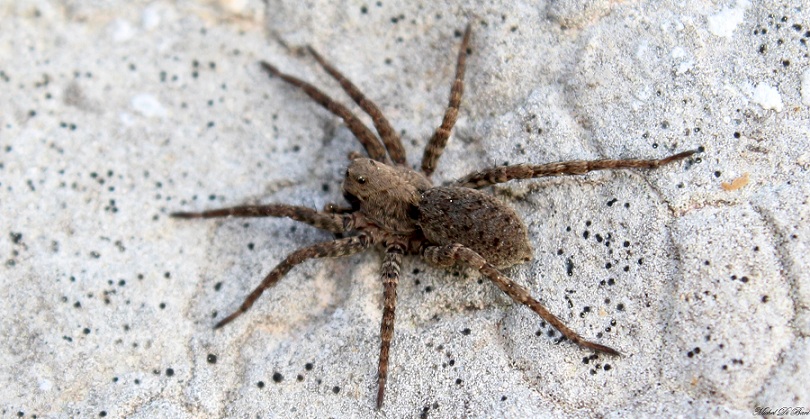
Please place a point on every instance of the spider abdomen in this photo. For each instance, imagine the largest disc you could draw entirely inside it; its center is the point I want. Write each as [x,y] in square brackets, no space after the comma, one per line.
[449,215]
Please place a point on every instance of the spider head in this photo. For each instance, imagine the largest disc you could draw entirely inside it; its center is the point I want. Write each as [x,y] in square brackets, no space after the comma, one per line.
[388,195]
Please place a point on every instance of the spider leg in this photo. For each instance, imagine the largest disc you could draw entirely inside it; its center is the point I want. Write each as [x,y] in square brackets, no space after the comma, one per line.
[448,255]
[341,247]
[332,208]
[389,137]
[390,279]
[435,146]
[332,222]
[503,174]
[370,142]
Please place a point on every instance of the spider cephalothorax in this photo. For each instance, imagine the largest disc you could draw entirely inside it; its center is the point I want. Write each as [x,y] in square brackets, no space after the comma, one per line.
[397,209]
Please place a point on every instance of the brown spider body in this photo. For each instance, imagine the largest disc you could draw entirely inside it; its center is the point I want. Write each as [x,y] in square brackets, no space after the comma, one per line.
[398,209]
[452,215]
[403,203]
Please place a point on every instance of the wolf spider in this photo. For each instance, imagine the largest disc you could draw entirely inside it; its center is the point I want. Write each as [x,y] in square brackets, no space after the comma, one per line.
[397,209]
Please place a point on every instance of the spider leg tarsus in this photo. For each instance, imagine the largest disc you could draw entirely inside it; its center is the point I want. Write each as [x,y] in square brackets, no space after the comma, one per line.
[679,156]
[186,215]
[226,320]
[269,68]
[602,348]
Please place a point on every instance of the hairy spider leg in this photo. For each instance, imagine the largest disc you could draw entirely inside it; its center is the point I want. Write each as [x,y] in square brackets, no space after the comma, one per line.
[438,141]
[389,137]
[369,141]
[503,174]
[329,221]
[449,255]
[390,278]
[335,248]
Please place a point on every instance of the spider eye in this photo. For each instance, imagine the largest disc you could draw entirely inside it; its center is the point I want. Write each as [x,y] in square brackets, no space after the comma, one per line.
[361,180]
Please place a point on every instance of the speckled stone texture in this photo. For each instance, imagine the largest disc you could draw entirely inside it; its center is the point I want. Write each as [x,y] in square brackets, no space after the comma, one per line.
[114,114]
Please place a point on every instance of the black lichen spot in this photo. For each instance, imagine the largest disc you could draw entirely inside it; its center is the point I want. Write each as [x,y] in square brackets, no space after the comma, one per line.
[466,331]
[336,389]
[102,414]
[765,298]
[16,238]
[217,286]
[586,234]
[620,307]
[169,372]
[277,377]
[458,381]
[212,359]
[569,267]
[86,331]
[308,366]
[260,384]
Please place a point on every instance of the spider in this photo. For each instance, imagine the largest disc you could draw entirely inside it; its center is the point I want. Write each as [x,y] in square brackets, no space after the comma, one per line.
[397,209]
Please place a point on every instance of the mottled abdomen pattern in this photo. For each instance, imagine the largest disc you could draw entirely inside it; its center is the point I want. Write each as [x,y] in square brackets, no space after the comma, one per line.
[449,215]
